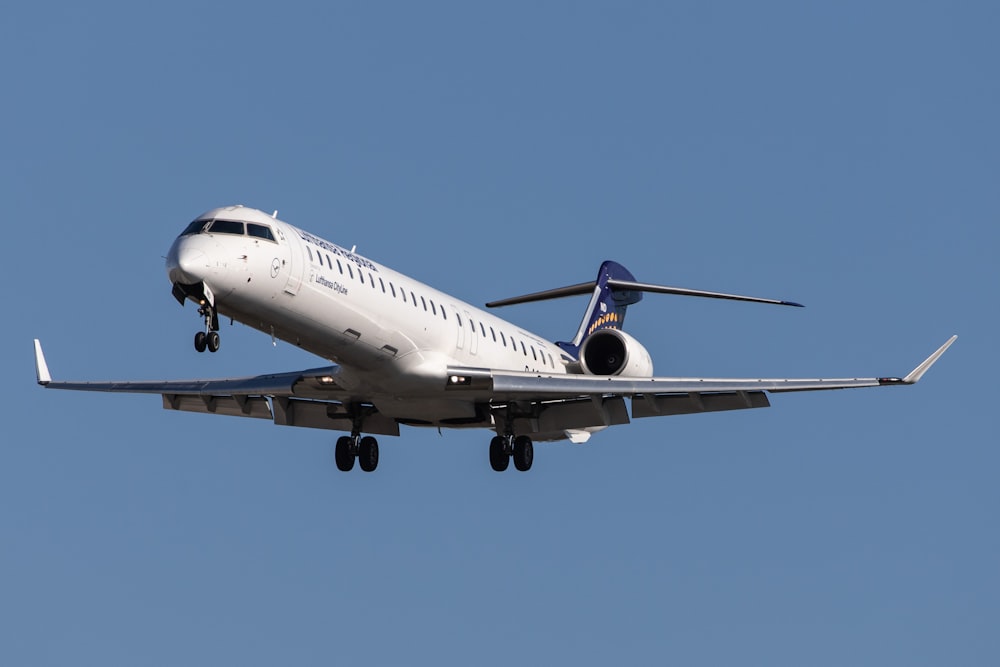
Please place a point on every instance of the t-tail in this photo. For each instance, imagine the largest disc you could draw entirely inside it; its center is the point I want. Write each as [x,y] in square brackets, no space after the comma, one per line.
[614,290]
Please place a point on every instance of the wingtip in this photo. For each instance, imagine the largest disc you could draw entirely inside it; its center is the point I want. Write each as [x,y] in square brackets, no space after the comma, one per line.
[919,371]
[41,368]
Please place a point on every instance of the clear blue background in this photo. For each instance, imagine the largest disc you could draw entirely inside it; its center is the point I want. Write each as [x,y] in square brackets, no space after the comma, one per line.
[844,155]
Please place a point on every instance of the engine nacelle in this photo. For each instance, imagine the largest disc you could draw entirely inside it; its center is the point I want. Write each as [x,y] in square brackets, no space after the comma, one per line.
[614,352]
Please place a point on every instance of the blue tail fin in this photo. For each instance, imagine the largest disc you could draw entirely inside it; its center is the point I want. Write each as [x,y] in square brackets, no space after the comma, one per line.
[607,305]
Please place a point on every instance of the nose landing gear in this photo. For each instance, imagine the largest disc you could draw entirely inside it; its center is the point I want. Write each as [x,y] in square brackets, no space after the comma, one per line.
[208,339]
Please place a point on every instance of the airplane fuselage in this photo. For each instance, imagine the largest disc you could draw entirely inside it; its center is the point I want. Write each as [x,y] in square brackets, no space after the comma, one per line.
[393,337]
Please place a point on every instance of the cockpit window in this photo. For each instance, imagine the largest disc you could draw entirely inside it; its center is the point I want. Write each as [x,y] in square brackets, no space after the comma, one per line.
[195,227]
[261,232]
[226,227]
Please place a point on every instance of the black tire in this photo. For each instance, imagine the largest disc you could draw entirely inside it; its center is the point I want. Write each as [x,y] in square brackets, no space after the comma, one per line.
[499,458]
[368,454]
[199,341]
[524,453]
[212,341]
[344,453]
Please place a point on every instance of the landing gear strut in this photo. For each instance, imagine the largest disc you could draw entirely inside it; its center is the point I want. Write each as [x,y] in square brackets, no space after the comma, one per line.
[505,447]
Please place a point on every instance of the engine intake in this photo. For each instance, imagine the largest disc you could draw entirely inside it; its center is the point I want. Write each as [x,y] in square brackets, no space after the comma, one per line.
[614,352]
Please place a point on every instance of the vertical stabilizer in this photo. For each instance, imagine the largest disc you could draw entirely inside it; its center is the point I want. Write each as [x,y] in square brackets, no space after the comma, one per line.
[607,305]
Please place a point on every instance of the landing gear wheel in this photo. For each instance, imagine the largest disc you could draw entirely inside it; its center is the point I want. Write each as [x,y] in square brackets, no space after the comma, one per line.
[524,453]
[212,341]
[344,453]
[499,453]
[368,453]
[200,341]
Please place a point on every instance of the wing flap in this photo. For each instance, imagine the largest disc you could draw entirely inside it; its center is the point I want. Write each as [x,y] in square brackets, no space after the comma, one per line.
[662,405]
[573,414]
[232,406]
[328,415]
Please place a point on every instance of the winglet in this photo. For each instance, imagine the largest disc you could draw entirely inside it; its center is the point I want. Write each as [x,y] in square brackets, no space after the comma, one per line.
[41,368]
[919,371]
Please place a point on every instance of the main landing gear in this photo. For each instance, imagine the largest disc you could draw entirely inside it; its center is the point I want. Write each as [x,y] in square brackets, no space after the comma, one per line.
[350,447]
[209,338]
[505,447]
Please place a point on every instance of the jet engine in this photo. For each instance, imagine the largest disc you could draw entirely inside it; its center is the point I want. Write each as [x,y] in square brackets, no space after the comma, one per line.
[614,352]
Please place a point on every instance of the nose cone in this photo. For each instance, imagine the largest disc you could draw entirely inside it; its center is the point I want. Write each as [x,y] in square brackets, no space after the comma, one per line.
[186,263]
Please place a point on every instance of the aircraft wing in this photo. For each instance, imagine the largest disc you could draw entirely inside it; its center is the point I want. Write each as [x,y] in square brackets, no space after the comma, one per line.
[547,406]
[312,398]
[577,401]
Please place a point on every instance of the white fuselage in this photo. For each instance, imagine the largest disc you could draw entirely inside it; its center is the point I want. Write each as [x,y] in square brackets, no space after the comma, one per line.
[393,337]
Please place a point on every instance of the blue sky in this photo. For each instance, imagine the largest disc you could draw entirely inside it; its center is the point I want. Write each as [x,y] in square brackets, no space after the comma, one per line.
[843,155]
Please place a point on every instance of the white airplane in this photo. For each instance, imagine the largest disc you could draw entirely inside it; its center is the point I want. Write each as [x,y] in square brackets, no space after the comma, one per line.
[406,353]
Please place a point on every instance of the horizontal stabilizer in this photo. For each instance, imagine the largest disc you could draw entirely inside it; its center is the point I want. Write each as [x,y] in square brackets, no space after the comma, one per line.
[664,289]
[627,285]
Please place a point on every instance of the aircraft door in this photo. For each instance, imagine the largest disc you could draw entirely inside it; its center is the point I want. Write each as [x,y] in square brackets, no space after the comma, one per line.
[473,338]
[295,260]
[460,323]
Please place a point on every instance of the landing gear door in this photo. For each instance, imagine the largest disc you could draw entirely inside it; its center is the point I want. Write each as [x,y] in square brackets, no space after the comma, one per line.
[294,262]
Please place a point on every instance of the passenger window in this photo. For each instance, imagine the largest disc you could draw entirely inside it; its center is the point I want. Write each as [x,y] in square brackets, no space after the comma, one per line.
[533,355]
[371,280]
[414,297]
[227,227]
[259,231]
[503,339]
[382,283]
[523,350]
[350,271]
[443,313]
[482,329]
[402,293]
[309,250]
[392,288]
[361,277]
[423,302]
[340,267]
[329,262]
[433,309]
[459,318]
[494,334]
